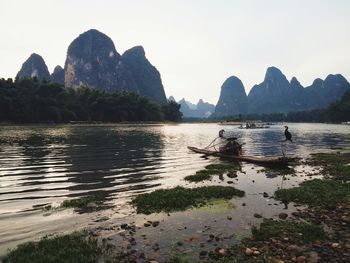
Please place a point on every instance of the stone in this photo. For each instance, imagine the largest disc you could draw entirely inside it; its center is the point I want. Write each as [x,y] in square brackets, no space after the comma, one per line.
[295,250]
[248,251]
[313,257]
[283,216]
[256,215]
[335,245]
[203,253]
[301,259]
[155,223]
[222,252]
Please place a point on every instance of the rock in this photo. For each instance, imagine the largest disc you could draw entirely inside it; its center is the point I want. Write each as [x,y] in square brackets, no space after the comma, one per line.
[313,257]
[335,245]
[229,218]
[248,251]
[155,223]
[265,194]
[34,66]
[283,216]
[203,253]
[123,226]
[230,182]
[146,224]
[244,204]
[301,259]
[295,250]
[256,252]
[153,261]
[222,252]
[256,215]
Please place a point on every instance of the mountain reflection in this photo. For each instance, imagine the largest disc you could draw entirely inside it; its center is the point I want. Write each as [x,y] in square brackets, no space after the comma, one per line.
[76,161]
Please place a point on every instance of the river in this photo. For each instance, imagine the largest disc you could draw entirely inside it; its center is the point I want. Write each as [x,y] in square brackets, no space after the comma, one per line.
[47,164]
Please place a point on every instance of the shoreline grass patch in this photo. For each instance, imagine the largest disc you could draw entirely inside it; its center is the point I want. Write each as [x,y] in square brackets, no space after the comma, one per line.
[213,169]
[297,231]
[337,165]
[76,247]
[180,198]
[316,192]
[83,204]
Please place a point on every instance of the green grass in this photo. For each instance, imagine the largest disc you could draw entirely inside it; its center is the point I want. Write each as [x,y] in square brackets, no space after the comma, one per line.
[179,198]
[316,192]
[297,231]
[213,169]
[337,165]
[82,202]
[73,248]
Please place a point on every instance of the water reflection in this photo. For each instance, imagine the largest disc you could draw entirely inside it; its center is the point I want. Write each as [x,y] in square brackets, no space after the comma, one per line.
[75,161]
[48,164]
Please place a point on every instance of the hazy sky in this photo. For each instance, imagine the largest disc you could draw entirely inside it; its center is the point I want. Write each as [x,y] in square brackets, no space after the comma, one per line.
[195,44]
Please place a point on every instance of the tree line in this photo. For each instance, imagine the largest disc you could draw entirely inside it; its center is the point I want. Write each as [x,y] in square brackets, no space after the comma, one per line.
[31,100]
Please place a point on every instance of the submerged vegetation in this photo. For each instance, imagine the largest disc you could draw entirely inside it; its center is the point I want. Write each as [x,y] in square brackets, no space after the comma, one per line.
[83,202]
[180,198]
[296,231]
[334,165]
[33,100]
[316,192]
[214,169]
[77,247]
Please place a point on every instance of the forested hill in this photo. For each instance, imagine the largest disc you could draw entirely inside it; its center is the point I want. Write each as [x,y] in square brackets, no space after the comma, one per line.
[336,112]
[33,100]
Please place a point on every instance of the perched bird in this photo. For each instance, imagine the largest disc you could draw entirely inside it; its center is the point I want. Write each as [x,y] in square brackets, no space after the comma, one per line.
[287,134]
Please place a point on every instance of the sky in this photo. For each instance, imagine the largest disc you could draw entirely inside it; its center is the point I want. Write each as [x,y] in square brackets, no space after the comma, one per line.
[195,44]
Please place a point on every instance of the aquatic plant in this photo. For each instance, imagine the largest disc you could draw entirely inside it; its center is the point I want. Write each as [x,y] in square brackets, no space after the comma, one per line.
[180,198]
[297,231]
[76,247]
[316,192]
[213,169]
[336,165]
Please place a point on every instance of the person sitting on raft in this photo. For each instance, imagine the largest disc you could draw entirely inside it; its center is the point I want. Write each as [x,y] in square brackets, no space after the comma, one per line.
[232,147]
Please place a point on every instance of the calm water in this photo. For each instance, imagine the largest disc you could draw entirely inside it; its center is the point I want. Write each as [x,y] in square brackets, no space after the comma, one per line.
[42,165]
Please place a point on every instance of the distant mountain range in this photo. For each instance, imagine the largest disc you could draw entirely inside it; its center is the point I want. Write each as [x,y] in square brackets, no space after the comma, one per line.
[92,60]
[277,94]
[200,110]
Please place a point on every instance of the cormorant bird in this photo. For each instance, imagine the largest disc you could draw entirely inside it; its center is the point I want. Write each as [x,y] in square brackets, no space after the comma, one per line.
[287,134]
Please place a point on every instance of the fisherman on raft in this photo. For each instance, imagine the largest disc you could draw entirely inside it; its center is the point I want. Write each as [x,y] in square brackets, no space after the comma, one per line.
[232,147]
